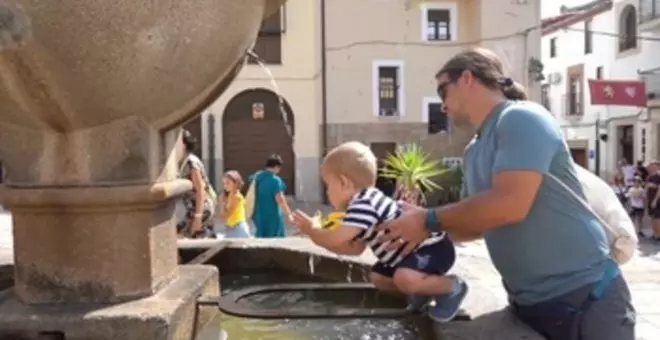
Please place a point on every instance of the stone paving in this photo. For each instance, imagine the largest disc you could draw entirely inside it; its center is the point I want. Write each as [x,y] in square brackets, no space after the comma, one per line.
[643,274]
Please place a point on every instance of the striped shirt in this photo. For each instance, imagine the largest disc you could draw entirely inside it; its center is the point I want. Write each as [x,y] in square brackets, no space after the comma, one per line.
[369,208]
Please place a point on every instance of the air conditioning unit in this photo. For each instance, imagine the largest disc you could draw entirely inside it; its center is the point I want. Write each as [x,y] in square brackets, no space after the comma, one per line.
[554,78]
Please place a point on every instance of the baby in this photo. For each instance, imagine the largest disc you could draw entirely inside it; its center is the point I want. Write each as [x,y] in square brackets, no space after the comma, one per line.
[349,172]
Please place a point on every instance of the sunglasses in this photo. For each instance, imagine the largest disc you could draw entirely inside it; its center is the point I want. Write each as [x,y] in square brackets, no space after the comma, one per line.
[442,90]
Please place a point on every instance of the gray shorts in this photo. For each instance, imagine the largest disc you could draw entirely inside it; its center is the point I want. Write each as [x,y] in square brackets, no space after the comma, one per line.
[612,317]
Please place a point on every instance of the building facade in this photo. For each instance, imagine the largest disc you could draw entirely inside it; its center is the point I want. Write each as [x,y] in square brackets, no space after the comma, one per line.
[360,70]
[273,107]
[383,56]
[606,40]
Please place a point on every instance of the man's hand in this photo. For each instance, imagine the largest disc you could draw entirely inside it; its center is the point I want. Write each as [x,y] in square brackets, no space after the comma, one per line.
[302,221]
[409,228]
[654,203]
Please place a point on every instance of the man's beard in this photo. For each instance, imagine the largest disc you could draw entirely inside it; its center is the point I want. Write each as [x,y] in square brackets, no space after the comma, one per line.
[461,119]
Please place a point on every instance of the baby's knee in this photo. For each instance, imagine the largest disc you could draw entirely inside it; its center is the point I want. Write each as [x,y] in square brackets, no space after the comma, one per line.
[407,281]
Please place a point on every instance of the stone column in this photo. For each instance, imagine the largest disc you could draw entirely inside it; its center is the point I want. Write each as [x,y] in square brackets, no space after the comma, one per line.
[93,211]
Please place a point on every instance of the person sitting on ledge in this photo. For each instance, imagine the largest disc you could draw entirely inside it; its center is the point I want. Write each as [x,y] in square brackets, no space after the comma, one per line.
[349,172]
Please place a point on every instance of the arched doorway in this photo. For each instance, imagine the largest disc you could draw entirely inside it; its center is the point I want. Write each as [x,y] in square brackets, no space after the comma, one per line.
[252,129]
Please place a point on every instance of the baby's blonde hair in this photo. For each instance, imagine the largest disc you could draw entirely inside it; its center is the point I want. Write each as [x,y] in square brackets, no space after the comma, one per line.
[354,161]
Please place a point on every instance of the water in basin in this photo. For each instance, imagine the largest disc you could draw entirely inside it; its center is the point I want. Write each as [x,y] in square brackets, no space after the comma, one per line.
[234,328]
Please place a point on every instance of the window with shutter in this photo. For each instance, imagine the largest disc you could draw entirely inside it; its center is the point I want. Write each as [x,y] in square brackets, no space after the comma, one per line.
[388,91]
[438,25]
[269,41]
[438,119]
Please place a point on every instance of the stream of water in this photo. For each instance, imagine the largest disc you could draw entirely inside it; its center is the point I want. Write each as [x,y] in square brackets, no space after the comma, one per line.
[233,328]
[284,114]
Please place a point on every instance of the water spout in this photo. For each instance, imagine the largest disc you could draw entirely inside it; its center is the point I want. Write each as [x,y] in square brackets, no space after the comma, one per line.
[276,89]
[311,263]
[349,273]
[282,106]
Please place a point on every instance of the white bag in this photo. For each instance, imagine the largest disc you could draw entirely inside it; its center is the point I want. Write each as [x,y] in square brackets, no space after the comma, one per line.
[605,205]
[250,199]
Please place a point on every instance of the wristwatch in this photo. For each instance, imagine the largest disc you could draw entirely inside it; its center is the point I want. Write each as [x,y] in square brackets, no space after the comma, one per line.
[431,221]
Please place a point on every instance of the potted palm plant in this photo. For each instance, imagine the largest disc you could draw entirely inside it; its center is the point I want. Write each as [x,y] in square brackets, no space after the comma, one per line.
[413,171]
[452,185]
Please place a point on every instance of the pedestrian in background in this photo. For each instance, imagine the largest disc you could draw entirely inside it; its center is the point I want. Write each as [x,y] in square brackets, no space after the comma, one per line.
[231,206]
[653,197]
[636,196]
[271,209]
[199,203]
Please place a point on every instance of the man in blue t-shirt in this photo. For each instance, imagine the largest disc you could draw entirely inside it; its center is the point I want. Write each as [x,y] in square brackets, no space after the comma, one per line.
[552,253]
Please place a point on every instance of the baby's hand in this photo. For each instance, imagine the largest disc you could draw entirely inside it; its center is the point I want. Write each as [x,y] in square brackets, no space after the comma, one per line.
[302,221]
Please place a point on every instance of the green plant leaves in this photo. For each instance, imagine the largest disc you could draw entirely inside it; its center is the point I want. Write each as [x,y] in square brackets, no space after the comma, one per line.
[413,171]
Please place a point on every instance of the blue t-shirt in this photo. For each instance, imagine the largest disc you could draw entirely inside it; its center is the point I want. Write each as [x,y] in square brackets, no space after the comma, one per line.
[268,185]
[559,246]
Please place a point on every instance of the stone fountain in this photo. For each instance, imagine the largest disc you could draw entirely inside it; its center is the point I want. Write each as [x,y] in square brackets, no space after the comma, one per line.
[88,89]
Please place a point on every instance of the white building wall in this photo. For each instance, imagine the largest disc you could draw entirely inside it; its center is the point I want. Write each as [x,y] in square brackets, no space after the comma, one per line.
[570,51]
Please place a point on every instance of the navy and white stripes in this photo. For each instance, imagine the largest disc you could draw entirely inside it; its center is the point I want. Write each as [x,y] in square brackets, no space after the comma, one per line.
[369,208]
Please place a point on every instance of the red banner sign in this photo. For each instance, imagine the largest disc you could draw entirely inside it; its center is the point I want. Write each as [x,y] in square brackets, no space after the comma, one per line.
[618,92]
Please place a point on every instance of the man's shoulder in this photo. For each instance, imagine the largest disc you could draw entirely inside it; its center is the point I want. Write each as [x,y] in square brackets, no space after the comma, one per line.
[529,119]
[526,112]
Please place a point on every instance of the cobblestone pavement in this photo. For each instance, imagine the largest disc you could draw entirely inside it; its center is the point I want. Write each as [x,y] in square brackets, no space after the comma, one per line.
[643,273]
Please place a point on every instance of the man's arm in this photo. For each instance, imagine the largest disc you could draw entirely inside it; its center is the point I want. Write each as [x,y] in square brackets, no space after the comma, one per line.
[654,202]
[281,199]
[526,144]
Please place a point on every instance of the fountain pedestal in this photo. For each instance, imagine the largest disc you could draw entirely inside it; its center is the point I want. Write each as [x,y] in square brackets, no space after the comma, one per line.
[98,226]
[95,248]
[89,90]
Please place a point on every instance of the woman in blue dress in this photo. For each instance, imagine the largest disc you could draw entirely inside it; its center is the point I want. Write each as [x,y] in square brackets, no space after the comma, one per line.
[270,202]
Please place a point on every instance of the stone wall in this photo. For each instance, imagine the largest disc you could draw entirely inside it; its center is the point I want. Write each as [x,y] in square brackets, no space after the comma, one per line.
[450,144]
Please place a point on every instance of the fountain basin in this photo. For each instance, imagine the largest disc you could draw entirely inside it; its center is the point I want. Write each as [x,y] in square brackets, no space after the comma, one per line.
[292,256]
[240,262]
[261,278]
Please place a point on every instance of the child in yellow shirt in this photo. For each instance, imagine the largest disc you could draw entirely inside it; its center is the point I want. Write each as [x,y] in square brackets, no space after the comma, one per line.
[232,206]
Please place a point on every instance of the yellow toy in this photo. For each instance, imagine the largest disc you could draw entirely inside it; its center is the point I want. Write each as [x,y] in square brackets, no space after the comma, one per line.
[332,221]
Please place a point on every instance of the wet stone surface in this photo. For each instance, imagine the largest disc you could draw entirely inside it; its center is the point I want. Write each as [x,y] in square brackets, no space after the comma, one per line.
[486,299]
[484,303]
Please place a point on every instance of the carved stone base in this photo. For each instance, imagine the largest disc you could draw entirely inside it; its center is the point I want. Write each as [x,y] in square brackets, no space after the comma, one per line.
[95,244]
[167,315]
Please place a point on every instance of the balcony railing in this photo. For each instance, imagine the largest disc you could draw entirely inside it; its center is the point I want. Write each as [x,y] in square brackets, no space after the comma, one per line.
[652,80]
[649,10]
